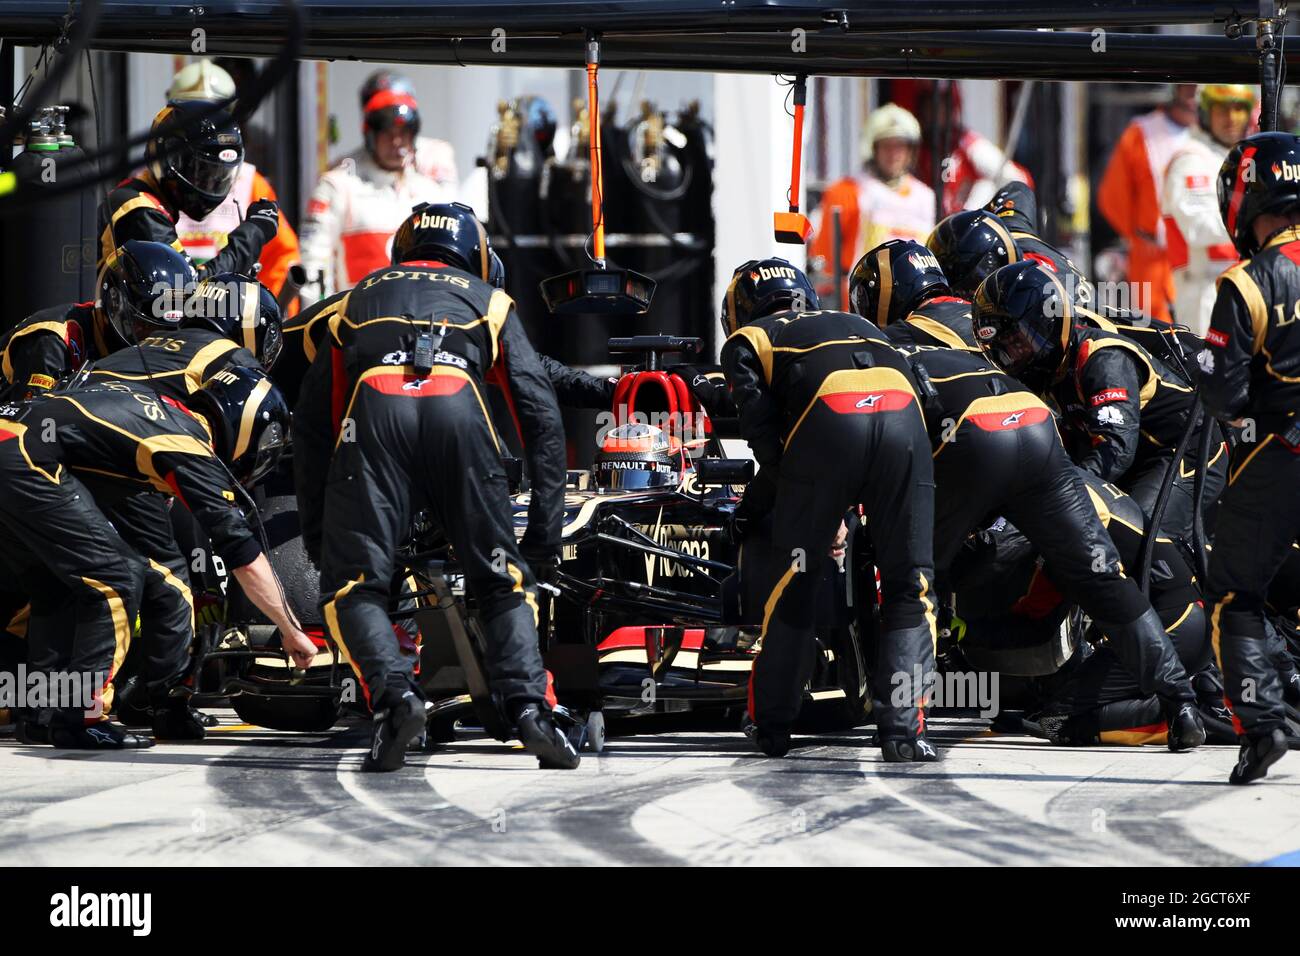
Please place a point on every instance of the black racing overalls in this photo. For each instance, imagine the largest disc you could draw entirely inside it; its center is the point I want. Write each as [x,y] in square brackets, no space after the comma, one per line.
[831,416]
[1123,412]
[377,439]
[997,453]
[303,334]
[174,365]
[61,544]
[135,209]
[48,346]
[944,321]
[1097,686]
[1250,372]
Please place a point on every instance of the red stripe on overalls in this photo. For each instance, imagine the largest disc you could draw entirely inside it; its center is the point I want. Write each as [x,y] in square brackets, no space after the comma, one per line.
[867,403]
[1009,421]
[411,386]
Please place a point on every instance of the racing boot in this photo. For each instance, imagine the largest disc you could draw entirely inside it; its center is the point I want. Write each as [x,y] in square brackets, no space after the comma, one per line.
[69,731]
[1149,655]
[908,750]
[1285,665]
[1072,730]
[773,741]
[1186,729]
[1258,753]
[394,727]
[543,739]
[904,683]
[1210,701]
[33,726]
[130,704]
[175,719]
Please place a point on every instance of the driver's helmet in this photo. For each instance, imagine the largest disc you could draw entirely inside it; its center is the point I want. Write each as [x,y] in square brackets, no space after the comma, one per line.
[635,456]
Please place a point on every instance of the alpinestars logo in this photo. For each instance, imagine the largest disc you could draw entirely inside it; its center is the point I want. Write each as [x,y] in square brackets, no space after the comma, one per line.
[1243,761]
[1013,418]
[869,402]
[1287,172]
[99,735]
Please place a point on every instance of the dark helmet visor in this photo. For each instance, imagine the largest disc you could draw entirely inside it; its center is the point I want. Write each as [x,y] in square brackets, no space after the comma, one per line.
[209,173]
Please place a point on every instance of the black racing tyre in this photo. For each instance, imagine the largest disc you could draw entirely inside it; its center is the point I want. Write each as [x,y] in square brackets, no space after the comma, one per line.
[278,507]
[847,673]
[442,729]
[307,713]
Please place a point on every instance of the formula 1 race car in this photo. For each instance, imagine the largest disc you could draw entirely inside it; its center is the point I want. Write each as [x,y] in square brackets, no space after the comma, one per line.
[646,612]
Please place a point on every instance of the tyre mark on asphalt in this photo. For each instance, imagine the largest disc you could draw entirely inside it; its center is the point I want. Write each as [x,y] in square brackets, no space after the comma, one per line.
[1150,818]
[934,794]
[409,827]
[399,817]
[587,814]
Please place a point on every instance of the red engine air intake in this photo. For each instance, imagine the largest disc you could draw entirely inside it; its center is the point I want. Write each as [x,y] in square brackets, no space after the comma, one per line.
[666,395]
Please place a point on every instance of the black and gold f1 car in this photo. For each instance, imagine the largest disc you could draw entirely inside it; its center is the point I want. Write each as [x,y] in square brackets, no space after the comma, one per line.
[646,613]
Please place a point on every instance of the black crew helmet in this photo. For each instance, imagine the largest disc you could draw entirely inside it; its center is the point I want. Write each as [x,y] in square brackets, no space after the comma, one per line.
[249,419]
[194,161]
[970,246]
[241,309]
[762,287]
[893,279]
[444,232]
[1260,175]
[143,288]
[1023,318]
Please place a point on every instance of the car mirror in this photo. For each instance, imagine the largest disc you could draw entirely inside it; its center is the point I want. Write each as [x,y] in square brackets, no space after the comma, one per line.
[724,471]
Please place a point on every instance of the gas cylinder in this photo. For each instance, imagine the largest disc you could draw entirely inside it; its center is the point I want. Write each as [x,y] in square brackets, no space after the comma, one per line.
[49,249]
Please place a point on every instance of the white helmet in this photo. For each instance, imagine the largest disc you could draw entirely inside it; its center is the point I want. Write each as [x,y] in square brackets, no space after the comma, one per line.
[203,80]
[890,121]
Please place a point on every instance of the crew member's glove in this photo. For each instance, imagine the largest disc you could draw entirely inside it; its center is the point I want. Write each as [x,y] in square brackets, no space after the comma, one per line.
[736,526]
[265,215]
[544,560]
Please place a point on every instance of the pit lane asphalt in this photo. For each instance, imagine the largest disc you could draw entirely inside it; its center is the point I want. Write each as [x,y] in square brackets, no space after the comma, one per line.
[691,794]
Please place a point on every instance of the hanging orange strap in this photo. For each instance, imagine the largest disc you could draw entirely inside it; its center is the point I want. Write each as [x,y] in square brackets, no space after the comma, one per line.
[597,176]
[793,227]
